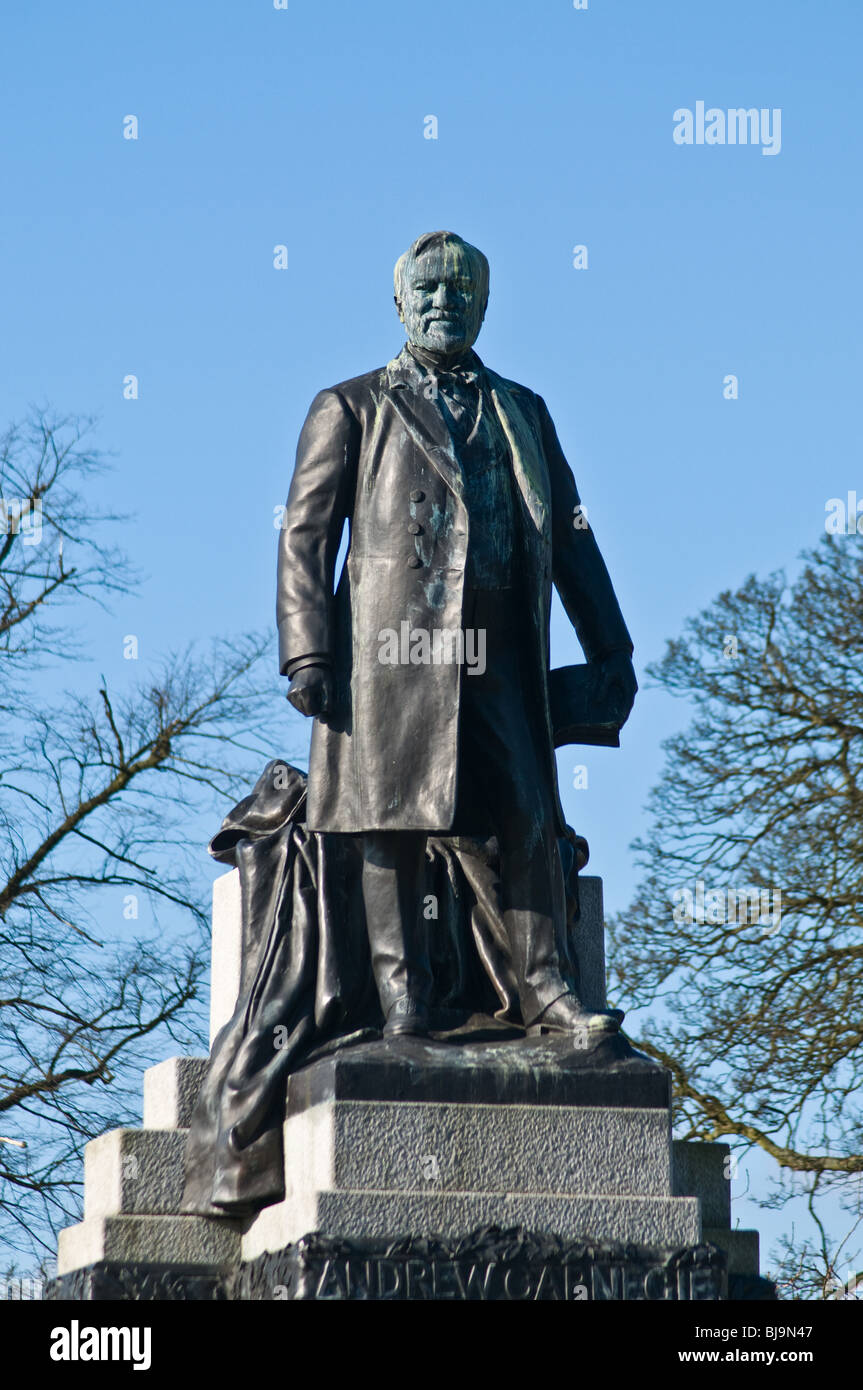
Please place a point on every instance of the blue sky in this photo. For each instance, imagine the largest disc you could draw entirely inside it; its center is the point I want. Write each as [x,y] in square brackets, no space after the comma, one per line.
[304,127]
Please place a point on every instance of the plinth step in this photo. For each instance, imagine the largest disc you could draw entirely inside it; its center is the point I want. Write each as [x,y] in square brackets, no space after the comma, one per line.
[171,1090]
[704,1170]
[741,1249]
[134,1171]
[181,1240]
[666,1221]
[377,1145]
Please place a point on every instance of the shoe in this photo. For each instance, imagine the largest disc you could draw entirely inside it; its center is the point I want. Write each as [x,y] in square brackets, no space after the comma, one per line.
[406,1017]
[568,1015]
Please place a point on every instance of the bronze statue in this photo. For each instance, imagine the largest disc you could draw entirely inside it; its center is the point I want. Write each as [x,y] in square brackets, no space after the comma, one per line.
[462,513]
[422,878]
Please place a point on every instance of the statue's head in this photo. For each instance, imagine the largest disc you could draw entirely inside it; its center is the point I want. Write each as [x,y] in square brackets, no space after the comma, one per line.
[441,293]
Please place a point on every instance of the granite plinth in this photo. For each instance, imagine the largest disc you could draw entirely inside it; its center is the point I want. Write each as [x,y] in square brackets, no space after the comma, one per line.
[141,1281]
[386,1215]
[192,1240]
[380,1146]
[487,1265]
[742,1249]
[171,1090]
[389,1145]
[702,1170]
[134,1171]
[395,1150]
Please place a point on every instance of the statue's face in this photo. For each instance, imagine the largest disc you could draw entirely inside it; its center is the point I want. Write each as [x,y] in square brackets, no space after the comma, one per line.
[442,309]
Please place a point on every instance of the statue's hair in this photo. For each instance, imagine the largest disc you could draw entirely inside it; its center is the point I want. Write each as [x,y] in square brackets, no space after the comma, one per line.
[478,262]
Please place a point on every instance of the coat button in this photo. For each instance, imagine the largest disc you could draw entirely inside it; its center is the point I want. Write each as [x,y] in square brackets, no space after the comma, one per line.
[417,496]
[415,528]
[414,562]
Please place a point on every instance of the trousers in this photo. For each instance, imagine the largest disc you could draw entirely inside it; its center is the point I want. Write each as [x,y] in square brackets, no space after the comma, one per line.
[502,790]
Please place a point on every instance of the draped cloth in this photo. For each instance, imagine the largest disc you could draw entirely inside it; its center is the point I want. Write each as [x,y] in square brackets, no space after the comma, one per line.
[306,983]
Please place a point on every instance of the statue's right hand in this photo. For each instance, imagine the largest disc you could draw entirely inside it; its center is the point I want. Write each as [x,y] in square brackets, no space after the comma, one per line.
[311,690]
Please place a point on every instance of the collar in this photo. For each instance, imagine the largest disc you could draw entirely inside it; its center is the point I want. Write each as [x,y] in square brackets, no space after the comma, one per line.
[433,362]
[408,369]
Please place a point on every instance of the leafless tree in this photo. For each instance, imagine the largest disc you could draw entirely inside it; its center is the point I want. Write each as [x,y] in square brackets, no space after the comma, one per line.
[762,1020]
[103,922]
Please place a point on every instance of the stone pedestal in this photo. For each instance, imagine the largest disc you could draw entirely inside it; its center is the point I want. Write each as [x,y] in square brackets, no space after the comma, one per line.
[425,1169]
[431,1139]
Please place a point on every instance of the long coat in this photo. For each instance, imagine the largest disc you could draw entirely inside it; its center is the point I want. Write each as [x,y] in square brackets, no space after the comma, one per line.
[376,451]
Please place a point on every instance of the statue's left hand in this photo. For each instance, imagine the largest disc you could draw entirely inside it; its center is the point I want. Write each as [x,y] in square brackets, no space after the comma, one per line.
[616,683]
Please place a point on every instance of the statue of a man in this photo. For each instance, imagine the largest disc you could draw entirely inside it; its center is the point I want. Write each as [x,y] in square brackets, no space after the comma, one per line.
[462,513]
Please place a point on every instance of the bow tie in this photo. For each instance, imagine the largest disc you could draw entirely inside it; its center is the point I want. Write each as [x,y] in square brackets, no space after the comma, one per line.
[460,374]
[454,377]
[459,396]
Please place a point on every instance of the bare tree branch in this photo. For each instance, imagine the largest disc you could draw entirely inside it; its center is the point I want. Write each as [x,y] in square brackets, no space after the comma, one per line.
[760,1018]
[106,800]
